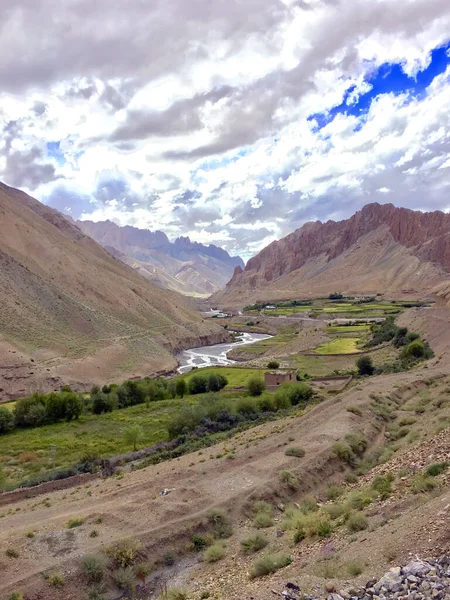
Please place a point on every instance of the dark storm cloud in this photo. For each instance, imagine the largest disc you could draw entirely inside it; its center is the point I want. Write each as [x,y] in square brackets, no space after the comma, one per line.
[43,41]
[180,117]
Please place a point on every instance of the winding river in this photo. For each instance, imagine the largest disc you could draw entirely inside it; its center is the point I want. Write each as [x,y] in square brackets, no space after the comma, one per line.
[208,356]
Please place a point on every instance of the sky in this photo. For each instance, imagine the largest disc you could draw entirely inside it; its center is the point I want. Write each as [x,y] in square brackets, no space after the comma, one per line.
[231,121]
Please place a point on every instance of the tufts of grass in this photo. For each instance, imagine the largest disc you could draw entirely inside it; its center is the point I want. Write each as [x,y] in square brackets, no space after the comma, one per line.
[334,492]
[15,596]
[437,469]
[355,410]
[93,533]
[56,580]
[96,592]
[383,485]
[262,520]
[295,451]
[124,578]
[289,479]
[359,499]
[220,522]
[198,542]
[124,552]
[254,543]
[214,552]
[93,567]
[422,483]
[12,553]
[357,522]
[75,522]
[30,534]
[307,525]
[355,568]
[344,453]
[269,564]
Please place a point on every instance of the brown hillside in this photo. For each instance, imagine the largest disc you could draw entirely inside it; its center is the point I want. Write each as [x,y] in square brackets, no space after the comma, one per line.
[68,302]
[379,249]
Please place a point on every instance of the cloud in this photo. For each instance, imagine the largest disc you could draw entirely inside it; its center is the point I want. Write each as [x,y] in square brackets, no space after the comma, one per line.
[230,122]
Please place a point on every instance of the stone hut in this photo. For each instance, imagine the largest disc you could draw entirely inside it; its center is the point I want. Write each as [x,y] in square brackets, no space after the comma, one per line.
[273,379]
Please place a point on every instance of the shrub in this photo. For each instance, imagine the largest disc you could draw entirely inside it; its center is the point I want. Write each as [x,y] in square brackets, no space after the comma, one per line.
[12,553]
[93,567]
[357,442]
[97,592]
[289,479]
[254,543]
[222,526]
[247,406]
[124,552]
[309,504]
[359,499]
[30,534]
[355,410]
[334,491]
[76,522]
[273,364]
[124,578]
[15,596]
[414,350]
[180,387]
[344,453]
[56,580]
[198,384]
[262,520]
[307,525]
[261,506]
[6,420]
[94,533]
[354,568]
[269,564]
[297,393]
[198,542]
[214,552]
[298,452]
[436,469]
[256,386]
[357,522]
[383,485]
[422,483]
[133,435]
[365,366]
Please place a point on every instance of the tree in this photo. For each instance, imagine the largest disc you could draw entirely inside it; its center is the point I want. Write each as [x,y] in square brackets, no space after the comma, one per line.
[6,420]
[73,405]
[365,365]
[55,408]
[335,296]
[298,393]
[255,386]
[415,349]
[273,364]
[133,435]
[180,387]
[198,384]
[172,390]
[2,478]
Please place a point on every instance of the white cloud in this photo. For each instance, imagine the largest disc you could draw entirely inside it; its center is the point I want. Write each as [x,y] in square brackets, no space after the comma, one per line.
[192,119]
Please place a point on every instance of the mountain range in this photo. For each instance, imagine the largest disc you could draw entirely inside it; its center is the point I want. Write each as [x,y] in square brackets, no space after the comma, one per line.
[72,313]
[183,266]
[379,249]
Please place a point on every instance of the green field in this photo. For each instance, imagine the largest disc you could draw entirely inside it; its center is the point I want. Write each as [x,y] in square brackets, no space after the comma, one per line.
[336,329]
[237,376]
[342,345]
[26,452]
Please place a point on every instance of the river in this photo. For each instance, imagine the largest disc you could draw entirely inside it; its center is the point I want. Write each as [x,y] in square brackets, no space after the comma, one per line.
[209,356]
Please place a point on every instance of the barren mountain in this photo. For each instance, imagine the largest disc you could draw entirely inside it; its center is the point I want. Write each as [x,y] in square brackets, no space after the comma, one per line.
[71,312]
[379,249]
[183,266]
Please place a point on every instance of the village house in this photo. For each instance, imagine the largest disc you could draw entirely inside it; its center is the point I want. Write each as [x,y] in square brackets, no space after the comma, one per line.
[273,379]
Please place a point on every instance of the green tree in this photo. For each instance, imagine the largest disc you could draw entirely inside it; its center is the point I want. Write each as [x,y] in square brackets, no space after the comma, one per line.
[73,405]
[2,478]
[133,435]
[213,382]
[256,386]
[198,384]
[172,389]
[365,365]
[55,408]
[273,364]
[415,349]
[6,420]
[24,405]
[180,387]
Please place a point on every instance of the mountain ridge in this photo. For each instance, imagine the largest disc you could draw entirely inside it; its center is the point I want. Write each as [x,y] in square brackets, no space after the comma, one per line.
[379,248]
[184,266]
[77,313]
